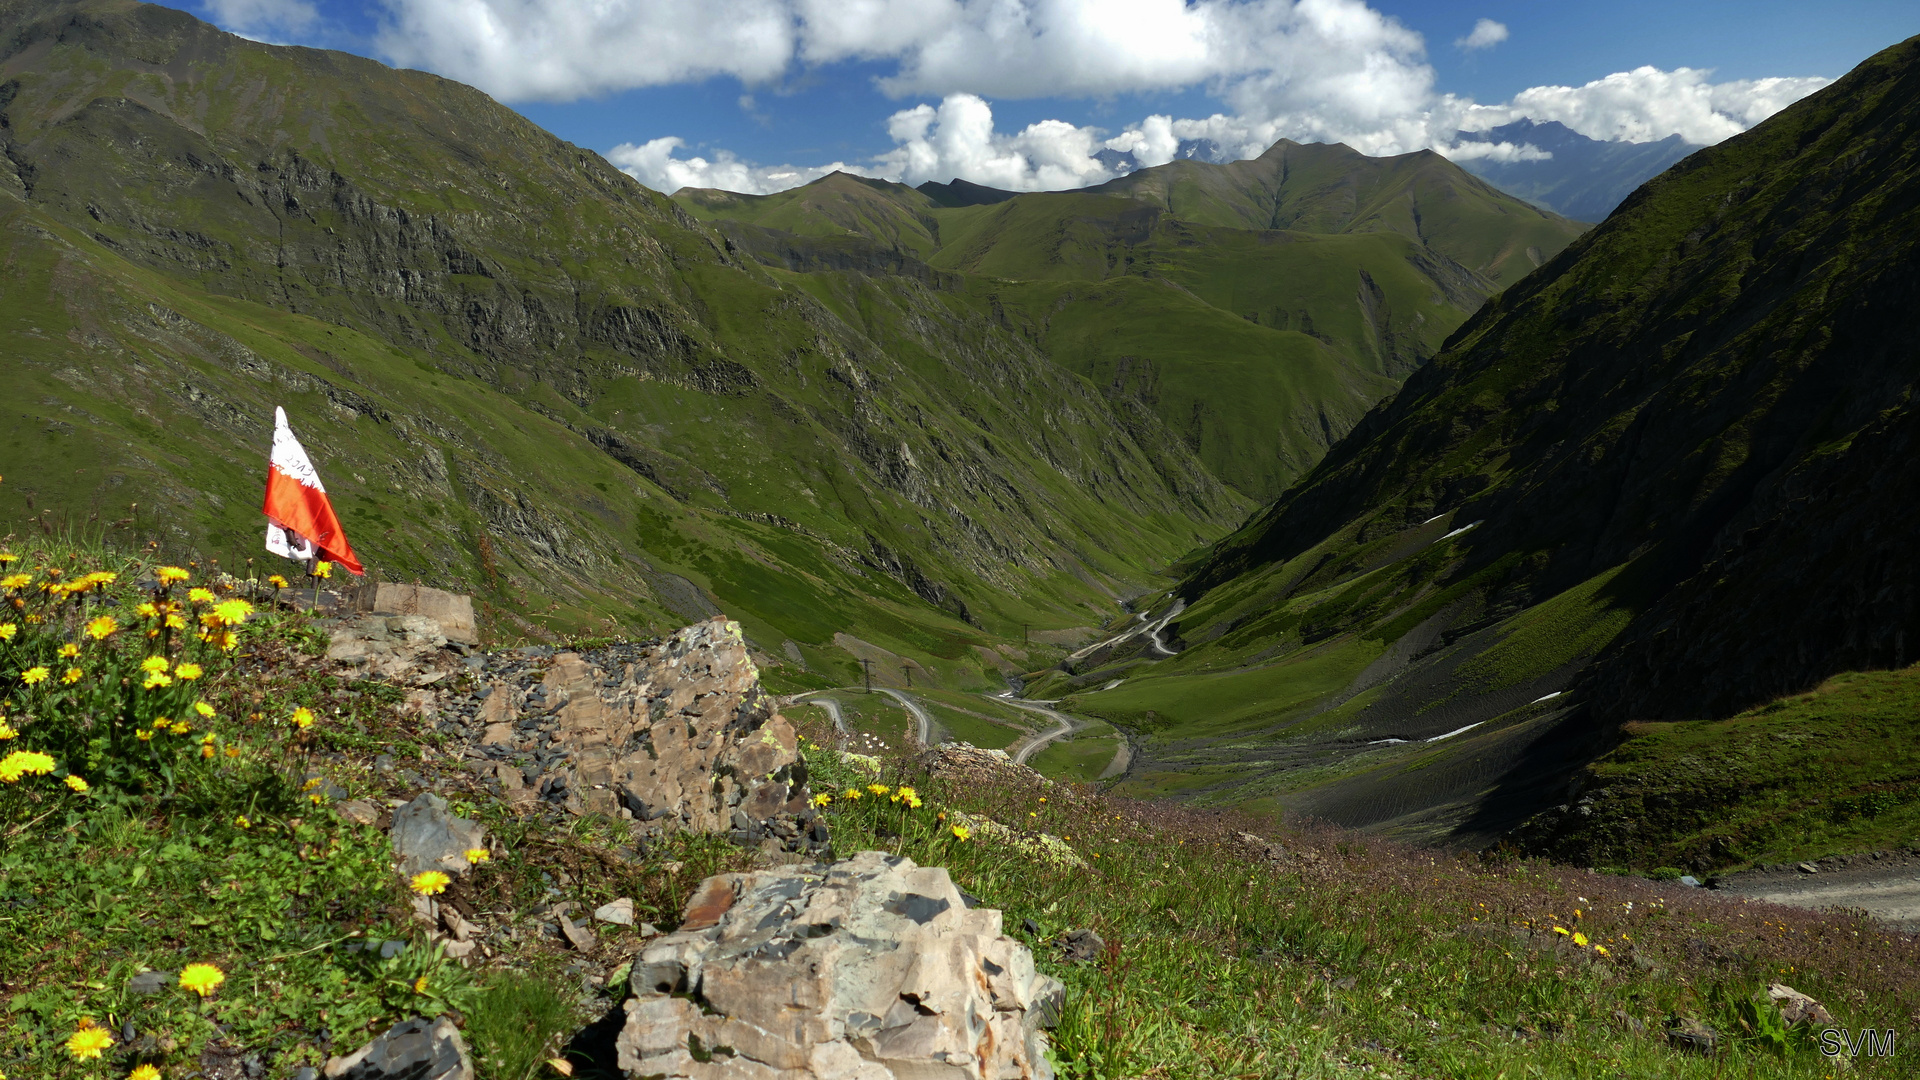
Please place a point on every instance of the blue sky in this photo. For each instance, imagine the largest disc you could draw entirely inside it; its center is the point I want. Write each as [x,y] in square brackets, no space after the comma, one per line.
[762,94]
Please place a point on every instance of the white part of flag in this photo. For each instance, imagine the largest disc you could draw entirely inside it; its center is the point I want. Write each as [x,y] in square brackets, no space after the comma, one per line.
[290,458]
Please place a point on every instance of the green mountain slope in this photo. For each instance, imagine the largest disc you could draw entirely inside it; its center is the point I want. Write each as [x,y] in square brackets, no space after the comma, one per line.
[1666,478]
[520,372]
[1257,319]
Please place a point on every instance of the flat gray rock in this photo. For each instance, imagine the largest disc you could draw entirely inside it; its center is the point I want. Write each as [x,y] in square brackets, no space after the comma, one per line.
[428,836]
[414,1050]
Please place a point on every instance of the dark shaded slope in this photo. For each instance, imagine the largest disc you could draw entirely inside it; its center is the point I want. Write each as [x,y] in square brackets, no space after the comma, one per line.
[1668,476]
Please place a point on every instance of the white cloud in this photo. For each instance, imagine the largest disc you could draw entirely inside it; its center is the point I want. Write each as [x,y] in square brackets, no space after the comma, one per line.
[1486,34]
[653,164]
[263,18]
[958,140]
[1647,103]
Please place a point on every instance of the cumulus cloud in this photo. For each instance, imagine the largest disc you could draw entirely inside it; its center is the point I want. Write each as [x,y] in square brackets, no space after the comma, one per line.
[1486,34]
[1647,103]
[653,164]
[958,139]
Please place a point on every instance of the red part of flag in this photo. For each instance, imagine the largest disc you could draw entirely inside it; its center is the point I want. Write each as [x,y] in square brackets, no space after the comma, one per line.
[297,505]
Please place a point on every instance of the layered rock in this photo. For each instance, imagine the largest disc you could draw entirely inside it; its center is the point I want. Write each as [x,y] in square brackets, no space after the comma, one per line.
[872,968]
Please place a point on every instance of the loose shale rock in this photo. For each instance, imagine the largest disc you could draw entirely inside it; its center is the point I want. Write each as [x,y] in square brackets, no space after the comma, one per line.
[872,968]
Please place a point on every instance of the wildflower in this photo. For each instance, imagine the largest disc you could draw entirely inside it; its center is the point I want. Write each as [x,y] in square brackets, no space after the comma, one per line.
[203,709]
[103,577]
[154,664]
[228,641]
[170,574]
[175,622]
[429,883]
[878,789]
[477,854]
[233,612]
[143,735]
[1602,950]
[7,630]
[420,985]
[822,799]
[187,671]
[205,752]
[961,832]
[6,731]
[1580,939]
[201,978]
[72,675]
[180,727]
[277,581]
[1561,930]
[69,651]
[103,627]
[76,784]
[161,723]
[233,751]
[88,1041]
[303,718]
[200,596]
[16,582]
[144,1072]
[22,763]
[852,794]
[242,822]
[323,569]
[155,681]
[34,676]
[8,557]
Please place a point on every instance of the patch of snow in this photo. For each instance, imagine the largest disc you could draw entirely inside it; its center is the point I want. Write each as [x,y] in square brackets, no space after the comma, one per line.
[1546,697]
[1385,742]
[1458,531]
[1433,519]
[1112,684]
[1458,731]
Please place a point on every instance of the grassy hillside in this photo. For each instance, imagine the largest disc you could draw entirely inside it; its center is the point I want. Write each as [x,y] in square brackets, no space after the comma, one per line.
[1660,480]
[1257,323]
[520,373]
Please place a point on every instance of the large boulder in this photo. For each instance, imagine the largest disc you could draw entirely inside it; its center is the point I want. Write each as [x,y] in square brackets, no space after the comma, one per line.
[872,968]
[414,1049]
[452,613]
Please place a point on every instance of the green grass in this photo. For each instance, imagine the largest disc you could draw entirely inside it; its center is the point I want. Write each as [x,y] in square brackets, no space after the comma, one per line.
[1080,758]
[1835,770]
[1180,706]
[1342,953]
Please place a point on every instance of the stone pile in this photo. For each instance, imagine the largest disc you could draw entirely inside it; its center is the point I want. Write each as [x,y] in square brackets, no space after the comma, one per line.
[869,969]
[672,735]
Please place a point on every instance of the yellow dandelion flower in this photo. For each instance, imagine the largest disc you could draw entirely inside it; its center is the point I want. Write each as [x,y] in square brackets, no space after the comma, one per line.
[243,822]
[88,1042]
[69,651]
[1602,950]
[7,630]
[161,723]
[8,557]
[429,883]
[24,763]
[72,675]
[822,799]
[180,727]
[34,676]
[76,784]
[147,610]
[143,735]
[914,803]
[155,681]
[420,985]
[852,794]
[175,622]
[206,752]
[277,581]
[905,792]
[170,574]
[1561,930]
[233,612]
[878,789]
[233,751]
[228,641]
[16,582]
[200,596]
[203,709]
[103,627]
[6,731]
[201,978]
[961,832]
[477,854]
[303,718]
[323,570]
[1580,939]
[144,1072]
[187,671]
[155,664]
[103,577]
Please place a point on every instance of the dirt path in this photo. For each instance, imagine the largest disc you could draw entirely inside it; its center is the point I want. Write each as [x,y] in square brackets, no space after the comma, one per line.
[1887,888]
[919,714]
[1029,747]
[832,707]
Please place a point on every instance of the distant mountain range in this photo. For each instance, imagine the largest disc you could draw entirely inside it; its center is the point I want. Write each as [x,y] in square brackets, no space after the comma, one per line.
[1583,180]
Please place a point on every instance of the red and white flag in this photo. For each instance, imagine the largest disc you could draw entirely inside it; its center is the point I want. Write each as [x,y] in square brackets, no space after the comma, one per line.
[300,521]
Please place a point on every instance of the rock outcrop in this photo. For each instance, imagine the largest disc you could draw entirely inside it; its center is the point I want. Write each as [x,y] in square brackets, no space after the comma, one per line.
[872,968]
[412,1050]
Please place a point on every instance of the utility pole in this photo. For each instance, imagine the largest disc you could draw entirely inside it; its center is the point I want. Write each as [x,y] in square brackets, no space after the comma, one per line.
[908,672]
[867,666]
[1023,633]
